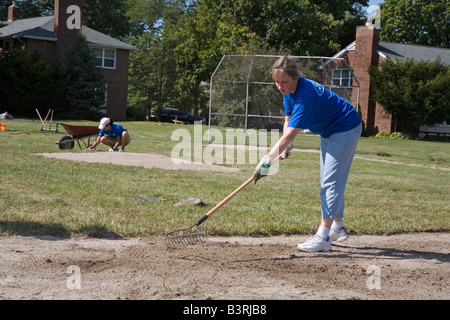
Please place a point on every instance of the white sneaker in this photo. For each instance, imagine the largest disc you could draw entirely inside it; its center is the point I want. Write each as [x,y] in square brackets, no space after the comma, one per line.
[315,243]
[339,235]
[121,150]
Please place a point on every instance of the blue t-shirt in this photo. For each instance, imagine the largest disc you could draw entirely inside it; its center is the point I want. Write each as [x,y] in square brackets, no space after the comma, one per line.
[115,132]
[319,110]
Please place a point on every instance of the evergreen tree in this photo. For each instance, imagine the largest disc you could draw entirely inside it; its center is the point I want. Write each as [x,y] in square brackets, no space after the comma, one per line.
[84,82]
[27,83]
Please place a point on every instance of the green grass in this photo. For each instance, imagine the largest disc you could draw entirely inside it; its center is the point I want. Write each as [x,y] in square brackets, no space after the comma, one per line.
[43,196]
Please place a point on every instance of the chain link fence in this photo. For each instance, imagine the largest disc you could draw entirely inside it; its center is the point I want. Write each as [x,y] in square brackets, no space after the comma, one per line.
[243,94]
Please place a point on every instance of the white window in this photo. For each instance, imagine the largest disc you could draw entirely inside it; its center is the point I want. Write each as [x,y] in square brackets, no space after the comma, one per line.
[106,58]
[342,78]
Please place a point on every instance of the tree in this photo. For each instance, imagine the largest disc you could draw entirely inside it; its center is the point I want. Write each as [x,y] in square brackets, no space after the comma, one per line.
[4,4]
[83,81]
[214,28]
[305,27]
[415,93]
[152,68]
[27,83]
[152,74]
[421,22]
[205,36]
[107,16]
[28,8]
[152,16]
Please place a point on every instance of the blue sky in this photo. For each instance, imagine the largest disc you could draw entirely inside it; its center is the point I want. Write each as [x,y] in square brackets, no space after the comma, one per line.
[375,2]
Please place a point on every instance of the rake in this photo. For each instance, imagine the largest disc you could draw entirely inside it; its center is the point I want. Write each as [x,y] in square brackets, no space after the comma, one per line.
[174,240]
[177,238]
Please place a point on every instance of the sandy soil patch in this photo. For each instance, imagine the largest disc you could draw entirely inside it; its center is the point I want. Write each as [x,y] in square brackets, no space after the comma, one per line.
[410,266]
[146,160]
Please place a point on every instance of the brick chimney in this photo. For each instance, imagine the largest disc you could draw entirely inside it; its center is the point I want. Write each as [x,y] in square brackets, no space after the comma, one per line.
[68,15]
[366,46]
[13,12]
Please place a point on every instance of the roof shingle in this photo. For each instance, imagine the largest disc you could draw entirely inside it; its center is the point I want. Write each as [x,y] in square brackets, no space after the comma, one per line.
[403,51]
[43,28]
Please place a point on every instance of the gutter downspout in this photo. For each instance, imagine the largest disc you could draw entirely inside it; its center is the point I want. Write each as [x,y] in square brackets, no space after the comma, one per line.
[23,42]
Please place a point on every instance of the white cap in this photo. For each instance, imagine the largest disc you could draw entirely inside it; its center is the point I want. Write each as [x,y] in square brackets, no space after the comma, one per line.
[103,123]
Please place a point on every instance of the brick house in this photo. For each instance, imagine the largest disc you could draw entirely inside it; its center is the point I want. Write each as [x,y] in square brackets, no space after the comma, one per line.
[367,50]
[51,35]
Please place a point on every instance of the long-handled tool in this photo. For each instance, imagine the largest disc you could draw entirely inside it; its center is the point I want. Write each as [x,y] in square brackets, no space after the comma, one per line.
[43,128]
[173,240]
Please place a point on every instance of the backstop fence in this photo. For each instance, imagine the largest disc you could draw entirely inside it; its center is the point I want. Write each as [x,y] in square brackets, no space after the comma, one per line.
[243,94]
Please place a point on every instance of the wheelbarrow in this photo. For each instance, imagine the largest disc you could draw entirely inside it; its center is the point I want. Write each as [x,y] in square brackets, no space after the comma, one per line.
[77,133]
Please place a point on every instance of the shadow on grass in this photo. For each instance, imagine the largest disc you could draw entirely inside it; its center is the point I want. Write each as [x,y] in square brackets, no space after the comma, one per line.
[53,231]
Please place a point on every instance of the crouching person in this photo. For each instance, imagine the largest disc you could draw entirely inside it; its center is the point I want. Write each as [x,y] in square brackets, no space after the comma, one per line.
[112,135]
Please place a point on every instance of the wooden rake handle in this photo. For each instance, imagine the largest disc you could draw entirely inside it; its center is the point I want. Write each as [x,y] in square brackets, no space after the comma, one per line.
[231,195]
[221,203]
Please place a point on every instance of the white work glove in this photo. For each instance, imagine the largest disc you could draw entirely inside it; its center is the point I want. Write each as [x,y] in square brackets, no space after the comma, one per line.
[263,168]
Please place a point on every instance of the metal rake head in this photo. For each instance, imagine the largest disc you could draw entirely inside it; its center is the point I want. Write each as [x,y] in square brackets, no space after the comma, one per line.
[173,241]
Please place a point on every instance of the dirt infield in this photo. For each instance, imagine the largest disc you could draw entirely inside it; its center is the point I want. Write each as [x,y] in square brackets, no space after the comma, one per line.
[412,266]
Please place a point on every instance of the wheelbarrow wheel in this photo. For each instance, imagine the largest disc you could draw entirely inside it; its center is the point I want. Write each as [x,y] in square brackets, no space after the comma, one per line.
[64,144]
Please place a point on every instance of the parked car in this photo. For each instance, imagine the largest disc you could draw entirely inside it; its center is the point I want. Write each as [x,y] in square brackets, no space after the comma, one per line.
[169,114]
[269,124]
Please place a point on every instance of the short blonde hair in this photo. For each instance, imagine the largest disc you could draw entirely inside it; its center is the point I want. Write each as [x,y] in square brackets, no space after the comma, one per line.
[287,65]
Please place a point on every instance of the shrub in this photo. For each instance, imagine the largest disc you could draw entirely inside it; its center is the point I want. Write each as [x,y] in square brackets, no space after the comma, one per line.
[393,135]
